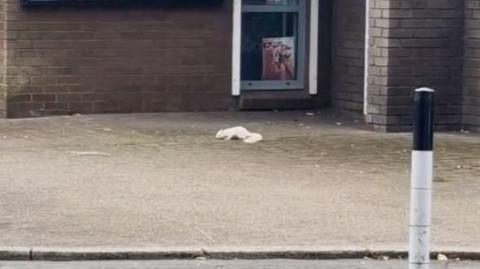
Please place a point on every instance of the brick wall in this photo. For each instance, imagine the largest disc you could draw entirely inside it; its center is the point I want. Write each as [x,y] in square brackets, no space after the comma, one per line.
[322,99]
[415,43]
[348,55]
[95,60]
[471,98]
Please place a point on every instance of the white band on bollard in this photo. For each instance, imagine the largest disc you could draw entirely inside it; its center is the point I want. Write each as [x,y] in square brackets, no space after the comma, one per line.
[421,204]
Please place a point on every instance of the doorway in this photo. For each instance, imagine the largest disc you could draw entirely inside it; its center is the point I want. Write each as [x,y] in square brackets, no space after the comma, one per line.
[273,44]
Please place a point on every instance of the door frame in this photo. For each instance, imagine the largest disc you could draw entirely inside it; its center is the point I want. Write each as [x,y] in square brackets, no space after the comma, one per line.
[300,45]
[312,48]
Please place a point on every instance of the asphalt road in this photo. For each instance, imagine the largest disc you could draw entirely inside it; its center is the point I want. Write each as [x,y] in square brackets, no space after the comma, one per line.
[234,264]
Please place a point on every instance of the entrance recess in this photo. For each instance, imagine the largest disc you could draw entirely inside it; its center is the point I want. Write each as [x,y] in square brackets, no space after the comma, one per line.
[291,14]
[273,44]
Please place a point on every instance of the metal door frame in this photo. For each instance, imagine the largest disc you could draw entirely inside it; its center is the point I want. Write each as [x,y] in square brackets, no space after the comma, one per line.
[299,83]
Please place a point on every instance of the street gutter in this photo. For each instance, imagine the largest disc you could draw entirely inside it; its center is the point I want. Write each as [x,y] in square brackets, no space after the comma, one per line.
[220,253]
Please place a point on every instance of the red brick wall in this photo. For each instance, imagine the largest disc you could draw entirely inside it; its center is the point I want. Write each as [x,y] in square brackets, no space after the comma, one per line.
[471,99]
[95,60]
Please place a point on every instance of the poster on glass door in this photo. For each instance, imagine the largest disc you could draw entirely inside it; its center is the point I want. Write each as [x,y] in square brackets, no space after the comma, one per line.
[278,58]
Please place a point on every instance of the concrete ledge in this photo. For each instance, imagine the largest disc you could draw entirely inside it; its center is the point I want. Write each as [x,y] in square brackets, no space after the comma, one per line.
[220,253]
[285,253]
[461,253]
[14,254]
[69,254]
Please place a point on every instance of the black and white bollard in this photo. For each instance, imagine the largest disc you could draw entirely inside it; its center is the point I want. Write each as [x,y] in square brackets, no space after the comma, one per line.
[421,180]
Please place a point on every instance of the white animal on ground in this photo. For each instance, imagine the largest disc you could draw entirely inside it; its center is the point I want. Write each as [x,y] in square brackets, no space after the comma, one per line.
[233,133]
[240,133]
[253,138]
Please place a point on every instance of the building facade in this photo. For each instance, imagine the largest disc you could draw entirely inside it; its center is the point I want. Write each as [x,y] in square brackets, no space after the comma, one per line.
[99,57]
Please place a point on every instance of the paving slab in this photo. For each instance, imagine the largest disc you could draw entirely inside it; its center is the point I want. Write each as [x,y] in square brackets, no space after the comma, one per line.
[162,180]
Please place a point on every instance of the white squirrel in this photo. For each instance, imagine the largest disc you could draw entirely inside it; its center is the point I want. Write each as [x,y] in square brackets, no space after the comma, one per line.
[239,133]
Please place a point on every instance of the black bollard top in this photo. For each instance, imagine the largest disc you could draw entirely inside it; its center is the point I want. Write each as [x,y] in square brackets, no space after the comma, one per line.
[423,126]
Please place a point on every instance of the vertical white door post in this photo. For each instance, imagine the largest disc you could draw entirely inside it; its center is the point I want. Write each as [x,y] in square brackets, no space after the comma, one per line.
[313,61]
[367,57]
[236,46]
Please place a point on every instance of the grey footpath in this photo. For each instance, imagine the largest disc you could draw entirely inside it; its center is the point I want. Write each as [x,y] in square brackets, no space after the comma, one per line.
[164,180]
[171,184]
[236,264]
[219,253]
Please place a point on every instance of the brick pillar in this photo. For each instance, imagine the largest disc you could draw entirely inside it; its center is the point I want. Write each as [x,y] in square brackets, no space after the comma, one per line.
[471,90]
[415,43]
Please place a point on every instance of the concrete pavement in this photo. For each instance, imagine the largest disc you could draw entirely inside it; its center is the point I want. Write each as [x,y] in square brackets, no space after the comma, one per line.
[162,180]
[235,264]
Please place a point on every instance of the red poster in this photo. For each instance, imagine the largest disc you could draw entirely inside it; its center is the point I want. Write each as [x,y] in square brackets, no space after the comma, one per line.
[278,58]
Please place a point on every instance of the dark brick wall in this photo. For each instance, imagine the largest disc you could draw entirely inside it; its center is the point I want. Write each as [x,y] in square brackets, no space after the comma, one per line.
[348,55]
[94,60]
[323,99]
[471,88]
[415,43]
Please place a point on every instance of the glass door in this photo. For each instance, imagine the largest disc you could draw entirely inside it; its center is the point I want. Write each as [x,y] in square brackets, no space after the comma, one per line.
[273,44]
